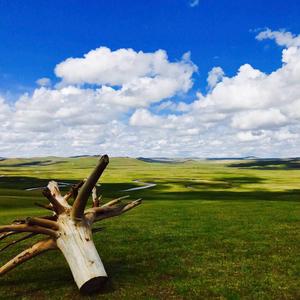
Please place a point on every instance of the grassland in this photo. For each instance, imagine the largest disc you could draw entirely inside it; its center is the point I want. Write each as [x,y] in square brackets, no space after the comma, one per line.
[207,230]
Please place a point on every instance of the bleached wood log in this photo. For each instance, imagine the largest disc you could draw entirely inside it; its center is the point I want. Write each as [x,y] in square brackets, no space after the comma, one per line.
[70,229]
[75,240]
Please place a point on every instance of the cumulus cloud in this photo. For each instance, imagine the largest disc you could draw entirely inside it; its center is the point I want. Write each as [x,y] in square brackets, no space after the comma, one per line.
[215,75]
[258,109]
[128,77]
[282,37]
[125,102]
[143,117]
[248,136]
[73,117]
[44,81]
[124,66]
[256,119]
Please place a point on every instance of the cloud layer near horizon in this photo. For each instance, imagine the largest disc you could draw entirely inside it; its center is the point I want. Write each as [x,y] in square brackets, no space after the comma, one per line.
[125,102]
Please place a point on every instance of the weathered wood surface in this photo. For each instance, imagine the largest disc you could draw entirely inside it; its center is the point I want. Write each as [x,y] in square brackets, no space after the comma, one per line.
[69,229]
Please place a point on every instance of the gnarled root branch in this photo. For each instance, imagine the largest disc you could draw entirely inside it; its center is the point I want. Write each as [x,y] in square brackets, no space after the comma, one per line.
[27,254]
[28,236]
[28,228]
[69,229]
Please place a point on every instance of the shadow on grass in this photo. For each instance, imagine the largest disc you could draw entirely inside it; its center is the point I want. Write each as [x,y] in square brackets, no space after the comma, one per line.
[210,191]
[270,164]
[34,163]
[288,195]
[14,195]
[21,182]
[128,269]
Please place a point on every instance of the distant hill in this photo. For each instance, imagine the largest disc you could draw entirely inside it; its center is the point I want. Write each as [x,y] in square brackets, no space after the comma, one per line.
[156,159]
[162,160]
[185,159]
[234,158]
[80,156]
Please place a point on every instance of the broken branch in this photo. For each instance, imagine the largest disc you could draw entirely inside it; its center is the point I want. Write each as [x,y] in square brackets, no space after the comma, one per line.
[84,193]
[19,240]
[57,206]
[54,189]
[115,201]
[27,254]
[46,206]
[28,228]
[7,234]
[42,222]
[109,211]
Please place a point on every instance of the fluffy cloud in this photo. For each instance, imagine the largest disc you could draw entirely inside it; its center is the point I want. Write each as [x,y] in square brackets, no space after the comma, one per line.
[122,102]
[143,117]
[251,112]
[256,119]
[75,118]
[124,66]
[215,75]
[282,38]
[127,77]
[44,81]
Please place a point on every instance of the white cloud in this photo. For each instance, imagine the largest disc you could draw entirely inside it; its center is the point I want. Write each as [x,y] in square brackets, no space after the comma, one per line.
[129,108]
[250,107]
[248,136]
[256,119]
[44,81]
[282,37]
[215,75]
[128,77]
[124,66]
[72,118]
[5,112]
[143,117]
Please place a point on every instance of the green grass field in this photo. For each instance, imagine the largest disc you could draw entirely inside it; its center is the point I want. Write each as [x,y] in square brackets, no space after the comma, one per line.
[207,230]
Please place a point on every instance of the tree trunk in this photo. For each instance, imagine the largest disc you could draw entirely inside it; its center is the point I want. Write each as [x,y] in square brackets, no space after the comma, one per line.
[76,244]
[69,229]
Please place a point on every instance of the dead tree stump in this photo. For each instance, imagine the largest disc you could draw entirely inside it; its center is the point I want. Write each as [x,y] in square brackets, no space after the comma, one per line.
[69,229]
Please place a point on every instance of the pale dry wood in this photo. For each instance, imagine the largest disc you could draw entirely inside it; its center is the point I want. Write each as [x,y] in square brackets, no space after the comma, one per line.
[85,191]
[53,217]
[27,254]
[115,201]
[7,234]
[112,211]
[28,228]
[57,206]
[46,206]
[42,222]
[96,199]
[76,244]
[30,235]
[54,189]
[44,218]
[70,229]
[97,202]
[73,192]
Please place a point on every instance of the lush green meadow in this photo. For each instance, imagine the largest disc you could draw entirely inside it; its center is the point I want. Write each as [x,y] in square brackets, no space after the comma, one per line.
[207,230]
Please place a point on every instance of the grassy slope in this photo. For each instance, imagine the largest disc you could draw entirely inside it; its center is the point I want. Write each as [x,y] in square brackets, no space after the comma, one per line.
[206,230]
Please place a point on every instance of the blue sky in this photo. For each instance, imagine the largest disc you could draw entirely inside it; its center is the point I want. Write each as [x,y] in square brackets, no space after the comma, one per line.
[38,36]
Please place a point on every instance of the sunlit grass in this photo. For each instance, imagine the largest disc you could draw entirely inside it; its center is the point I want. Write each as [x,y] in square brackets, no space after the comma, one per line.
[207,230]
